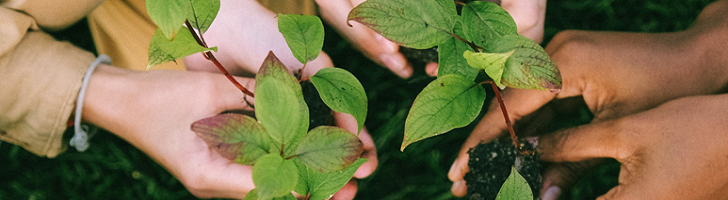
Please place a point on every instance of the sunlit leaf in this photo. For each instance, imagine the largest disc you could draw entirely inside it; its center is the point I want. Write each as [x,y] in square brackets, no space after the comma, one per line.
[279,104]
[169,15]
[449,102]
[328,148]
[322,185]
[515,188]
[342,92]
[253,195]
[235,136]
[304,35]
[203,13]
[451,59]
[529,67]
[492,63]
[162,50]
[274,176]
[484,21]
[416,24]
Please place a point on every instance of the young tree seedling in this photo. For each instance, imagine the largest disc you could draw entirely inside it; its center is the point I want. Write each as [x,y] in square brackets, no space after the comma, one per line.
[285,155]
[483,37]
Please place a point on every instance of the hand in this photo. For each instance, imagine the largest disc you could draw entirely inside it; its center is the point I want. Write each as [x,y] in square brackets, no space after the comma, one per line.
[154,110]
[674,151]
[373,45]
[618,74]
[244,32]
[242,52]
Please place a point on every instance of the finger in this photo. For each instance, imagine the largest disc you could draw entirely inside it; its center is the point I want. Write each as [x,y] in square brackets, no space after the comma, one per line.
[596,140]
[374,46]
[560,176]
[322,61]
[529,16]
[395,62]
[520,102]
[347,122]
[432,69]
[348,192]
[229,97]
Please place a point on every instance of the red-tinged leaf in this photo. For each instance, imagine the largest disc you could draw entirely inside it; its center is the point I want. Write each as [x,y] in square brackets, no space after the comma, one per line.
[529,67]
[236,137]
[328,148]
[279,105]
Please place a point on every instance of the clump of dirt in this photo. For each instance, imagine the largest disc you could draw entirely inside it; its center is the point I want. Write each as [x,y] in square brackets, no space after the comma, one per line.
[318,113]
[490,164]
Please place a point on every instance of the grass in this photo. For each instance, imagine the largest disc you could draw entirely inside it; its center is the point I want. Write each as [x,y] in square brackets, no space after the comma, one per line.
[113,169]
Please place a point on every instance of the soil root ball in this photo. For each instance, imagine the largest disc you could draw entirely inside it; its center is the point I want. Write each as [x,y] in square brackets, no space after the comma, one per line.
[490,164]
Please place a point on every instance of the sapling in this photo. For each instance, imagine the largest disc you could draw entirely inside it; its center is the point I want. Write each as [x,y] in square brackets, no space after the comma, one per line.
[286,156]
[482,38]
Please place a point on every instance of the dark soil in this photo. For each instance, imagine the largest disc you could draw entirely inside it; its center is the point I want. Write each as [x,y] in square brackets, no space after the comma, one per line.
[490,164]
[319,113]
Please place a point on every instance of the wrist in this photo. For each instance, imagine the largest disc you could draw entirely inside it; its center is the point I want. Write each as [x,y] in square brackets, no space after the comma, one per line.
[107,89]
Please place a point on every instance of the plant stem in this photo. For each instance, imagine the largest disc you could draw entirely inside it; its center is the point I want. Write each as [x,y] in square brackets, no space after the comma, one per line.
[209,56]
[471,44]
[505,114]
[300,73]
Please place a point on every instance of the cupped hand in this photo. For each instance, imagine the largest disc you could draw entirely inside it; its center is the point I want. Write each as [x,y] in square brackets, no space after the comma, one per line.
[244,32]
[154,111]
[673,151]
[618,74]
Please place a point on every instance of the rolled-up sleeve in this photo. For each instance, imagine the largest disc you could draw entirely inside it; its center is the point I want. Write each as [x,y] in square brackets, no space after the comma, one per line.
[39,82]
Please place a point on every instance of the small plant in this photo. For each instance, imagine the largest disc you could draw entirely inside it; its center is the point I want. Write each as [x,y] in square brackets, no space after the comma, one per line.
[285,155]
[483,37]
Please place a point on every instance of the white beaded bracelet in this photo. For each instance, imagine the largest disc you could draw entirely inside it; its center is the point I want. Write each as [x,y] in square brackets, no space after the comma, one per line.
[80,136]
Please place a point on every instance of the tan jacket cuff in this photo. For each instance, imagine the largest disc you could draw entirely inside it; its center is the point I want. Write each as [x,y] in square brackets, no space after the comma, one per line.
[40,80]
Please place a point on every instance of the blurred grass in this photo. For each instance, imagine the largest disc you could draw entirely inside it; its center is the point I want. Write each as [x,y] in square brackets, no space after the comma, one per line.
[112,169]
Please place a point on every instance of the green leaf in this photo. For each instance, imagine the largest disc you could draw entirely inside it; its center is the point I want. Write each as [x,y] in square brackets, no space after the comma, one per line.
[322,185]
[235,136]
[515,188]
[162,50]
[274,176]
[451,59]
[529,67]
[342,92]
[203,13]
[448,102]
[492,63]
[328,148]
[169,15]
[304,35]
[484,21]
[279,104]
[253,195]
[416,24]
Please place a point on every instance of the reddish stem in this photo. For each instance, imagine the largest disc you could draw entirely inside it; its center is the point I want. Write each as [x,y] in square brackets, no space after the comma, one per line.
[208,55]
[505,113]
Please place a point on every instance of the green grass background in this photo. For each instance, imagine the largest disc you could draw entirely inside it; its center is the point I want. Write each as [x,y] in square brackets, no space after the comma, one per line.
[113,169]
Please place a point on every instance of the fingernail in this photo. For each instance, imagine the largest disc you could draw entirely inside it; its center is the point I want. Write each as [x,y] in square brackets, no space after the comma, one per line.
[386,45]
[552,193]
[395,64]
